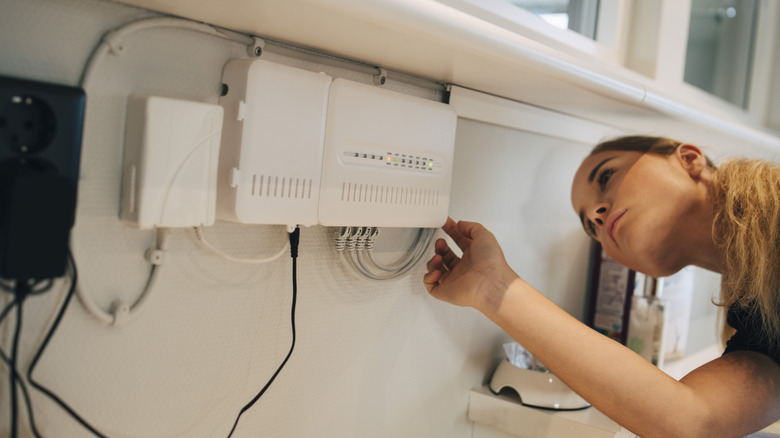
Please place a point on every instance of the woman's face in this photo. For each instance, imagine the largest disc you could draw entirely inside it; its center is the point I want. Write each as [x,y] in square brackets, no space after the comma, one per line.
[639,206]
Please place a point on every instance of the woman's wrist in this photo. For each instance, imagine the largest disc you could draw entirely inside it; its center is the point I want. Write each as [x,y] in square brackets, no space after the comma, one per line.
[494,291]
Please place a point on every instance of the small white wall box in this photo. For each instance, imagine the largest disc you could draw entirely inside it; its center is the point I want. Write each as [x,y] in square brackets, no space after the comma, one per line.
[271,158]
[387,159]
[170,162]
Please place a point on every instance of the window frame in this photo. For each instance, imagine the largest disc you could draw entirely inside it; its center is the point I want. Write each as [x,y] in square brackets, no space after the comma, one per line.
[611,29]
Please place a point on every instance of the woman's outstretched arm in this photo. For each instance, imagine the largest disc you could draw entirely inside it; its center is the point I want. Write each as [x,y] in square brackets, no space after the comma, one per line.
[730,396]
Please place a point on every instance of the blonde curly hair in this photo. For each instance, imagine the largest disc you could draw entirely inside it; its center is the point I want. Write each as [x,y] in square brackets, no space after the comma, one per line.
[746,197]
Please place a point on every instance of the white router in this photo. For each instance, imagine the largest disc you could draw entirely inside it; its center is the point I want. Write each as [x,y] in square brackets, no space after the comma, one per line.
[271,153]
[387,160]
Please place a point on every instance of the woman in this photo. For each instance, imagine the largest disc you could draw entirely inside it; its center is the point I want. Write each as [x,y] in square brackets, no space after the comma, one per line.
[655,205]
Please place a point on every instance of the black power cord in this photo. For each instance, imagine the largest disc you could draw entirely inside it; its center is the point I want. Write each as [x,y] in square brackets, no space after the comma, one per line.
[20,292]
[22,289]
[42,348]
[15,378]
[294,239]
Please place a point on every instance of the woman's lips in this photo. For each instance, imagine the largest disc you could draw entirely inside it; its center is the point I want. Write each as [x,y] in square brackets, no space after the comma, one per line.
[612,222]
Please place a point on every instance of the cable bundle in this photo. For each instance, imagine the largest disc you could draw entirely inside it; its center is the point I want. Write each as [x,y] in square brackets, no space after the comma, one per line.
[355,247]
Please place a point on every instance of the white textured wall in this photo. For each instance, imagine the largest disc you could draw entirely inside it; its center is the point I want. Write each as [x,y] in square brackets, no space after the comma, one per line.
[378,360]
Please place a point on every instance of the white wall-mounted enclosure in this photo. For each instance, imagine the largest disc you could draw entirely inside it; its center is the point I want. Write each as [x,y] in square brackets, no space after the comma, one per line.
[301,148]
[269,167]
[170,162]
[388,158]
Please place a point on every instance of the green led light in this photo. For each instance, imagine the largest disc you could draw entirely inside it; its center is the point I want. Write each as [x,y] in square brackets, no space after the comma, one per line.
[430,164]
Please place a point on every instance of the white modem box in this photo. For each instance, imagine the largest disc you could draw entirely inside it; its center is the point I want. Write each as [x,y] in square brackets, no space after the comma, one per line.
[272,142]
[387,160]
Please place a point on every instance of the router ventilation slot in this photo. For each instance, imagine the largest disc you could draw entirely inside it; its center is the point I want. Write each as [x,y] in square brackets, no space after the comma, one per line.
[386,194]
[281,187]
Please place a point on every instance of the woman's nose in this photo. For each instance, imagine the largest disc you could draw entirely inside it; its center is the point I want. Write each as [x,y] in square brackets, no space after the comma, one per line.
[598,214]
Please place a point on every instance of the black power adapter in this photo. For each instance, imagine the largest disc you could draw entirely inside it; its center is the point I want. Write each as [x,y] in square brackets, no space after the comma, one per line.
[40,146]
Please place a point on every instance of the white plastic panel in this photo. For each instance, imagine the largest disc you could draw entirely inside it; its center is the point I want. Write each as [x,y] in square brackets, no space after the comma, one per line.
[271,157]
[387,159]
[170,162]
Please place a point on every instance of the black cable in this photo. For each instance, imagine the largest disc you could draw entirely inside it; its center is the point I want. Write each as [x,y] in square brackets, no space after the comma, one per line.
[7,309]
[17,377]
[12,374]
[294,239]
[46,339]
[26,394]
[21,289]
[33,289]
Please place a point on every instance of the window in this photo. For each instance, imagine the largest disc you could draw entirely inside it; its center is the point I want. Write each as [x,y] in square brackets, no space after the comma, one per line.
[580,16]
[720,48]
[578,27]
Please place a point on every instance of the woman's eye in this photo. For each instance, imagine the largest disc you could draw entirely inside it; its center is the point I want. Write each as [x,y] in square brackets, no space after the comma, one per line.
[604,177]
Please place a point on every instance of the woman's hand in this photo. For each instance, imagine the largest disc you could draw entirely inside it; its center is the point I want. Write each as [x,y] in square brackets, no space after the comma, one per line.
[477,279]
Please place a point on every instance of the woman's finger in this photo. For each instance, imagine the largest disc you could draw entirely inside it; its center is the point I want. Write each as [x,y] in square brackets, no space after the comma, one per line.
[449,259]
[451,228]
[434,263]
[469,230]
[431,279]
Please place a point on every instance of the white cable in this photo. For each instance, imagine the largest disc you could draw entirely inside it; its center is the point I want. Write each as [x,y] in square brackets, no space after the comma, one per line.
[120,313]
[202,239]
[415,254]
[345,246]
[412,255]
[112,40]
[358,243]
[344,234]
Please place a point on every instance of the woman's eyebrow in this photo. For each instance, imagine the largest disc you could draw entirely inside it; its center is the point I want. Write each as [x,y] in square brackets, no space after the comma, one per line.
[596,169]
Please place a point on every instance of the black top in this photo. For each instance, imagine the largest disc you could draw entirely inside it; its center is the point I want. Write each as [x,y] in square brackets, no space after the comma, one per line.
[750,335]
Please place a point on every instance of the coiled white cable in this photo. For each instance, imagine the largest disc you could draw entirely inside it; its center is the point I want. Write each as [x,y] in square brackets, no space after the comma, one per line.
[355,248]
[415,254]
[412,257]
[202,239]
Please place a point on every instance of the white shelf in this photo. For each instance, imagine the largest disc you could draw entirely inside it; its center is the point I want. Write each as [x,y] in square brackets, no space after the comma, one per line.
[432,40]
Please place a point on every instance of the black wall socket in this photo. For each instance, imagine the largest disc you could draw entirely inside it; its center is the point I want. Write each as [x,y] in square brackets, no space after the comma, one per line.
[40,146]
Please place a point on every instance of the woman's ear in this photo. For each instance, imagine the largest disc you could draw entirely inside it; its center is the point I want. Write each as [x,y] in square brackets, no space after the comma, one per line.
[691,159]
